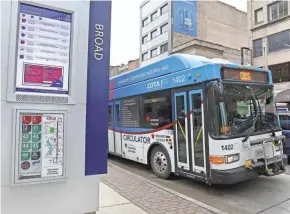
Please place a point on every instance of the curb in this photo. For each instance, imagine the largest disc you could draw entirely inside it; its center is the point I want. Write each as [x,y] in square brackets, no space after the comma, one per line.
[199,203]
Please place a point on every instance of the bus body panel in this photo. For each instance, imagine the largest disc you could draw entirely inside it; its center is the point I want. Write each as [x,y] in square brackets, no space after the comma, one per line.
[175,63]
[111,141]
[136,143]
[183,78]
[171,64]
[187,76]
[233,146]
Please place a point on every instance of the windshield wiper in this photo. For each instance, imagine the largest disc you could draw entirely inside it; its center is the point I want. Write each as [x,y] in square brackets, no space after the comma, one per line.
[255,119]
[260,110]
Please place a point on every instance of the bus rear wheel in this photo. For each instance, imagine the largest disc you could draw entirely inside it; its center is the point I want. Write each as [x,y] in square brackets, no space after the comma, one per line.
[160,162]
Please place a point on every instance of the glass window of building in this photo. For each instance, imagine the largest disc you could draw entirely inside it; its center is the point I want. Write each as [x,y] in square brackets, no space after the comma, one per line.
[164,9]
[154,16]
[277,10]
[145,22]
[164,28]
[280,72]
[144,39]
[279,41]
[258,47]
[164,48]
[144,56]
[154,52]
[154,34]
[259,16]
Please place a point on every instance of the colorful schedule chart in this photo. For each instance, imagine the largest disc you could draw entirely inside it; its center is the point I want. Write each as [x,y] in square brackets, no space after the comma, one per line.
[41,145]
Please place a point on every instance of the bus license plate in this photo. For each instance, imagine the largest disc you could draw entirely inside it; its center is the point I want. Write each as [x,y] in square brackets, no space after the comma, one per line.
[259,153]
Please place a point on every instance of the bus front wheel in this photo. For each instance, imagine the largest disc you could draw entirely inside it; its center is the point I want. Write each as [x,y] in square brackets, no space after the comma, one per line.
[160,162]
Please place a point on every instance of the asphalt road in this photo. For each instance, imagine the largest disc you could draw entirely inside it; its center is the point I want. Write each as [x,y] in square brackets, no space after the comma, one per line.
[262,195]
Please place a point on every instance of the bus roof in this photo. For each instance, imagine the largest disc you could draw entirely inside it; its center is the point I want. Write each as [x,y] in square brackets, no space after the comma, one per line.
[171,64]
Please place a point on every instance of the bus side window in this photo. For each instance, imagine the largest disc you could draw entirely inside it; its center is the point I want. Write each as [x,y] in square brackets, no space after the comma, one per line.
[117,115]
[110,115]
[155,110]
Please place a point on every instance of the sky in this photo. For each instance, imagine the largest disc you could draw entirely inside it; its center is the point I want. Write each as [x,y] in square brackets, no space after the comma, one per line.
[125,28]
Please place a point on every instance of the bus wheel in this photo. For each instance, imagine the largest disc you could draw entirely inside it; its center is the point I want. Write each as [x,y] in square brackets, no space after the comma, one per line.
[160,162]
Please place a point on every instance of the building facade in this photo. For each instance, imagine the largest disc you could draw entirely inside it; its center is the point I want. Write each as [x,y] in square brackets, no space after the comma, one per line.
[269,25]
[194,27]
[118,69]
[154,30]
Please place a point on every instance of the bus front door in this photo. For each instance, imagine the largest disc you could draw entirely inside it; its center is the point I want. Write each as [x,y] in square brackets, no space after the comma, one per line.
[189,140]
[117,131]
[111,135]
[197,140]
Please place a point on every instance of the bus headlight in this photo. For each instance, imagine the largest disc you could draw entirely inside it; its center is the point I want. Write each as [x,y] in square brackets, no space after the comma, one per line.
[227,159]
[232,158]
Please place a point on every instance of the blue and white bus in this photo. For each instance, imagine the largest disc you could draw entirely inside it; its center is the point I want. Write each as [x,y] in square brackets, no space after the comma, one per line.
[206,119]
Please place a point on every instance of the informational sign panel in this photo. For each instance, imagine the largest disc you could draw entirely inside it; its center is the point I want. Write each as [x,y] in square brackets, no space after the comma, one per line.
[246,55]
[130,113]
[43,50]
[40,145]
[97,103]
[185,17]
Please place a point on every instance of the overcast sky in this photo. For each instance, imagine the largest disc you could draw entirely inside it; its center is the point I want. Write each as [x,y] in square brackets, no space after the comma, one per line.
[125,28]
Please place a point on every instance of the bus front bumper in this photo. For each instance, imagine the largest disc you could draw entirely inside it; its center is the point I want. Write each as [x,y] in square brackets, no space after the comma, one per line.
[236,175]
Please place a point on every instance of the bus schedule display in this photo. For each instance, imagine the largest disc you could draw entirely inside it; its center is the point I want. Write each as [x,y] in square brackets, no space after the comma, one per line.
[43,50]
[42,75]
[41,139]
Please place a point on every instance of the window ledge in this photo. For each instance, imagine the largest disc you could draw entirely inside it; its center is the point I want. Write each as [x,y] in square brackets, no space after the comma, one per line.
[257,57]
[279,52]
[271,23]
[155,37]
[259,23]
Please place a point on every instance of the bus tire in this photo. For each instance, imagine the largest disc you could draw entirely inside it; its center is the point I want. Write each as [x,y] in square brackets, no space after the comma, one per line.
[160,162]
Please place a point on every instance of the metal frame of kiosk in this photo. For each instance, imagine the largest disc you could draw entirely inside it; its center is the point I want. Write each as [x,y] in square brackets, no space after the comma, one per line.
[50,103]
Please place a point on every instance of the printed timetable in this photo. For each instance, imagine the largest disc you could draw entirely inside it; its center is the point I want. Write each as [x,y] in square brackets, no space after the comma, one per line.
[43,53]
[41,145]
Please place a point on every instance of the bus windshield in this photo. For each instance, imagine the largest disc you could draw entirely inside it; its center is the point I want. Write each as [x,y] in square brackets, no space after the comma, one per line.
[240,110]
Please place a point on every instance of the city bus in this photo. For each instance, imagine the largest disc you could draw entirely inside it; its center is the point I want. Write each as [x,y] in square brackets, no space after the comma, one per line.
[206,119]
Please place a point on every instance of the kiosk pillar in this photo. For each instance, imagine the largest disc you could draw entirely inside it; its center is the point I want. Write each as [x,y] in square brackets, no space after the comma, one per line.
[54,101]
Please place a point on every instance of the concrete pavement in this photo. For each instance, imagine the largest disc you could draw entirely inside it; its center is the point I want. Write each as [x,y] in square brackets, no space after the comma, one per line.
[149,197]
[251,197]
[112,202]
[124,192]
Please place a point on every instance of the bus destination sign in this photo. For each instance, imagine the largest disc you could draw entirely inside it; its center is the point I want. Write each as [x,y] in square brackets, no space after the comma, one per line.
[245,75]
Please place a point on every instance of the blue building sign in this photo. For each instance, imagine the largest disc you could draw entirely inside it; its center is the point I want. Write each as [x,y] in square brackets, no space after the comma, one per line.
[184,17]
[98,88]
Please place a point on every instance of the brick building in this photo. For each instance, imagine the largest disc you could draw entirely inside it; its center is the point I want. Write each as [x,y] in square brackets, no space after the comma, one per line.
[118,69]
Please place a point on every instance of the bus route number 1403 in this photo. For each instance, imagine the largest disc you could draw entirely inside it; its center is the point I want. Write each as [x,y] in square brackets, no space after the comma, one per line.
[179,79]
[228,147]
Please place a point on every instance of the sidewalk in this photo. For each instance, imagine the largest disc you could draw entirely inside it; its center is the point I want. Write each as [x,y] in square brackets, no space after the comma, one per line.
[112,202]
[122,192]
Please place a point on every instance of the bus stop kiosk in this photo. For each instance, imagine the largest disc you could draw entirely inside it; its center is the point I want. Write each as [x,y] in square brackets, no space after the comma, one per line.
[54,97]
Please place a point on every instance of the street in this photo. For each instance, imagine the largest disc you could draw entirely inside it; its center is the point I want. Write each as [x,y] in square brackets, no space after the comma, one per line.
[262,195]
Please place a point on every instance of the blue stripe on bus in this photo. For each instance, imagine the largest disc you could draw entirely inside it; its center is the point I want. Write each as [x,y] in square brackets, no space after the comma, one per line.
[171,64]
[187,77]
